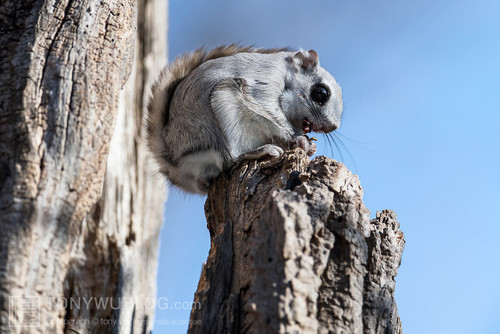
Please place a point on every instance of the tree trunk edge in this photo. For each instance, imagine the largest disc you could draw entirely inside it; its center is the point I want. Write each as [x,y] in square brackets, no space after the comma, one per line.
[71,74]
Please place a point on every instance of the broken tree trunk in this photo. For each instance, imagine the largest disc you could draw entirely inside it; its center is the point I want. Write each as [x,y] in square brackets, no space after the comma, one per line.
[78,231]
[293,251]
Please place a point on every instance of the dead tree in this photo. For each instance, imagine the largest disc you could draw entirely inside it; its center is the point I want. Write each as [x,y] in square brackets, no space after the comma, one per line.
[78,231]
[293,251]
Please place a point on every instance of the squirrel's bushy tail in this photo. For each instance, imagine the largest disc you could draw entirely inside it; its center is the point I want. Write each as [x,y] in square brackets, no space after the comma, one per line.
[161,92]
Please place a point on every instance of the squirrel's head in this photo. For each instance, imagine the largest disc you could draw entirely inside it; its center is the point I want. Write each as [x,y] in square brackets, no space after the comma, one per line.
[311,98]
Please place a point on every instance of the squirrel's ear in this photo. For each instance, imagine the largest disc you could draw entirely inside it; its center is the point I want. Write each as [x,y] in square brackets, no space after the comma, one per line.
[305,59]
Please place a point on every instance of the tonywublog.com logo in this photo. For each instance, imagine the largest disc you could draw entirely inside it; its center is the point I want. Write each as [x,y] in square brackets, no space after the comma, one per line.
[27,311]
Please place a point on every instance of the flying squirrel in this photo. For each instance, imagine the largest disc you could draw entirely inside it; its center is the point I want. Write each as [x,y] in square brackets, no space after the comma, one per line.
[209,109]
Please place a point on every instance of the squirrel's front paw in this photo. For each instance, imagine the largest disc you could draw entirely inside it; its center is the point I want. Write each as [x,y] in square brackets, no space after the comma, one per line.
[263,151]
[305,143]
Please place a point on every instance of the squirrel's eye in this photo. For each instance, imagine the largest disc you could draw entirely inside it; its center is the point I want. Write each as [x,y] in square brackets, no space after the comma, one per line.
[320,94]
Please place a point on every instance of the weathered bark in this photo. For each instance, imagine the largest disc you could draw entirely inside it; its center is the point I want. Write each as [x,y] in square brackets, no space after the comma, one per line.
[68,239]
[293,251]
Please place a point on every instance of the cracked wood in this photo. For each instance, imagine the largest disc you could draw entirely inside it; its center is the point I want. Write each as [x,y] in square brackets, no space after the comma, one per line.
[293,251]
[67,76]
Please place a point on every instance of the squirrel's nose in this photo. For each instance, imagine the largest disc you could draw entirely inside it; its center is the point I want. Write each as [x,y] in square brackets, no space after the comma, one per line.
[326,128]
[331,128]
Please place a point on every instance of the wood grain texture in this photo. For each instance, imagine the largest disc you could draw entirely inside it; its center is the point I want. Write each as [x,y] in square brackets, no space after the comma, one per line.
[293,251]
[67,76]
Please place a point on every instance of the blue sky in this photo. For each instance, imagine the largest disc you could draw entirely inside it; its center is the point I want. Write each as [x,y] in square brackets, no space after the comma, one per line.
[421,89]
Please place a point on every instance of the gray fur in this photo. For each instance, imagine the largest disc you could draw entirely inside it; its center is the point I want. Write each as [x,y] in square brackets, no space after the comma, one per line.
[207,109]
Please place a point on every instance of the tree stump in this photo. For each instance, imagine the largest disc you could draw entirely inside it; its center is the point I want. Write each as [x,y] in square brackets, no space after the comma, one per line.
[293,251]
